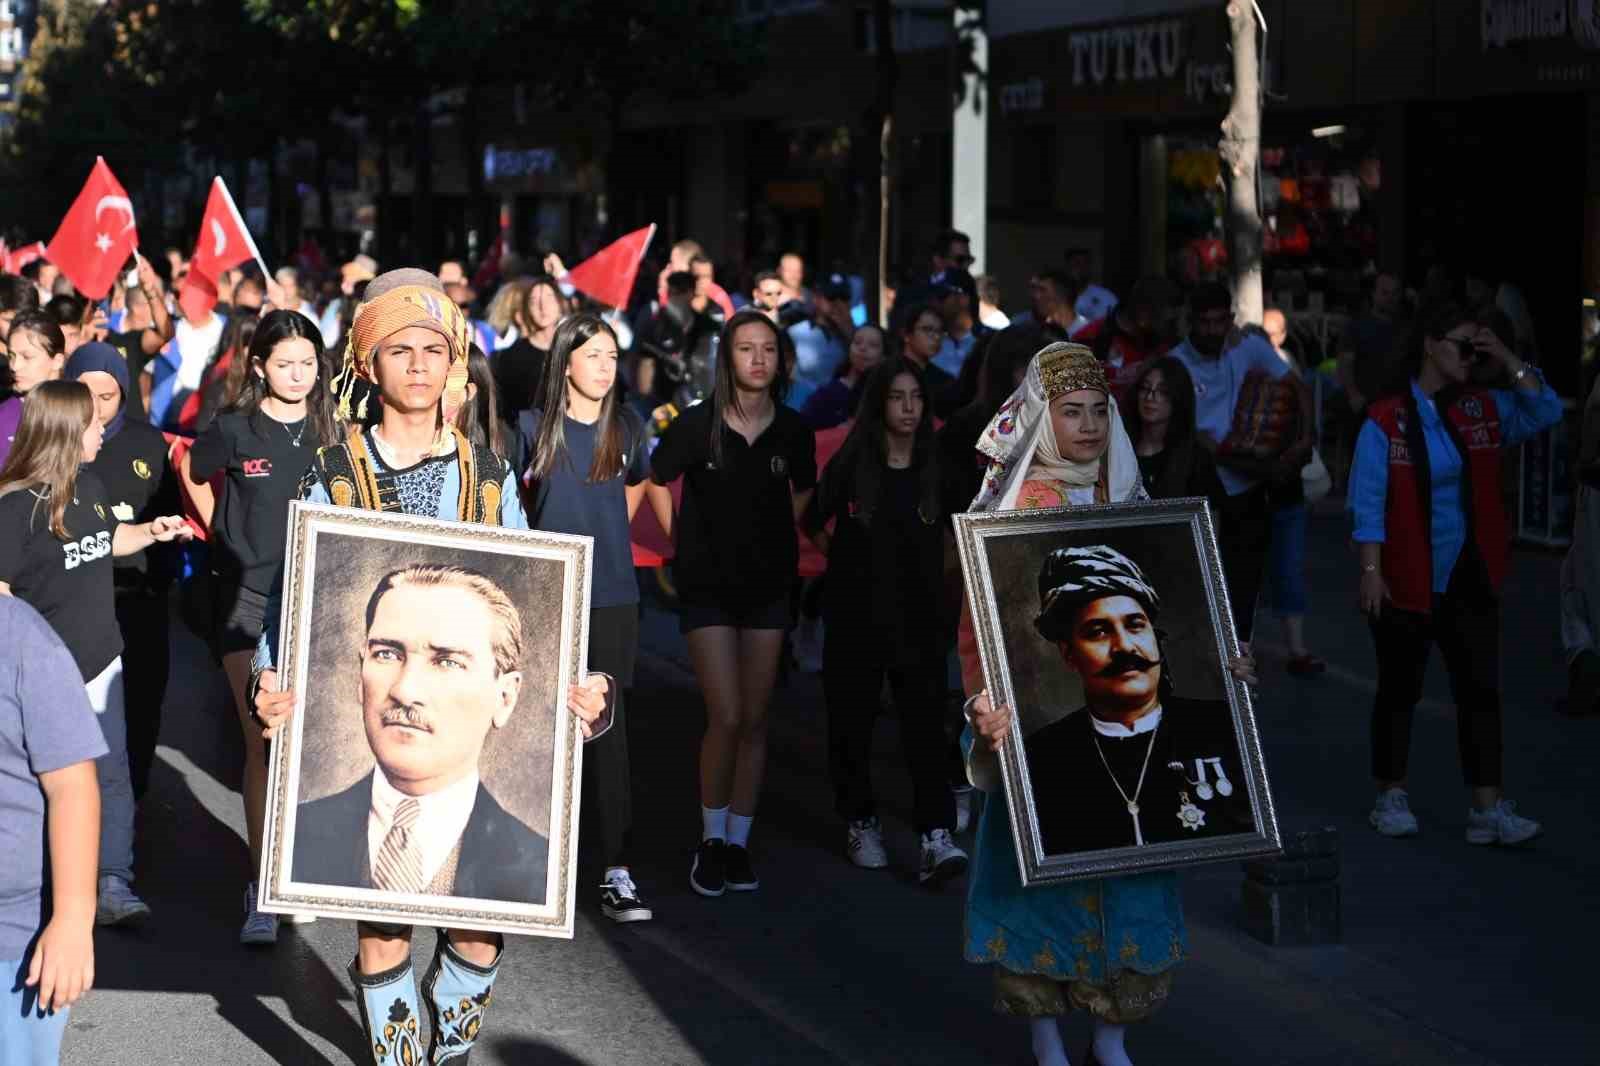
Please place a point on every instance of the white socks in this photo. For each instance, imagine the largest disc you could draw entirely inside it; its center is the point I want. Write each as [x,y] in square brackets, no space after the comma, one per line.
[1108,1046]
[1047,1047]
[714,823]
[739,830]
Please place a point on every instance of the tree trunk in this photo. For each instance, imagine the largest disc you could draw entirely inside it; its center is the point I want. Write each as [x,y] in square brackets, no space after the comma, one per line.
[888,73]
[1240,150]
[477,212]
[422,244]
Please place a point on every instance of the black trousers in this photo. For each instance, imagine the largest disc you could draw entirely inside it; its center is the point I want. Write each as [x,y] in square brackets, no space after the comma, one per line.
[146,640]
[854,665]
[1244,536]
[1465,623]
[606,819]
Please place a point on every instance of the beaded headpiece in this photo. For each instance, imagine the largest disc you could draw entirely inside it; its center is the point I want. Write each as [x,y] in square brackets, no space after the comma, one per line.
[1065,368]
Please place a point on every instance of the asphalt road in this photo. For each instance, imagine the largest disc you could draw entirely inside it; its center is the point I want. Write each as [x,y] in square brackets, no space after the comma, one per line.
[1451,955]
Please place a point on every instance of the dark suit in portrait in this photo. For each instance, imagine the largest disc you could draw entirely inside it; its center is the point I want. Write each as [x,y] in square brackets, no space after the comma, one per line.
[497,858]
[1184,796]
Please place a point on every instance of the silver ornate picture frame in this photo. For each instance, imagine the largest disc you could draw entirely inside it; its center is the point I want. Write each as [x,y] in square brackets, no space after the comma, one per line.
[427,655]
[1064,782]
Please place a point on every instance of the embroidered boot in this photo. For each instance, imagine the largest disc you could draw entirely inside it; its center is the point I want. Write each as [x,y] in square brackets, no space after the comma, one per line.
[388,1005]
[458,995]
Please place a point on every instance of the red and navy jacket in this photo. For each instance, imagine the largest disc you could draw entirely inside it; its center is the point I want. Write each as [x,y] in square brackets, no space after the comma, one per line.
[1473,422]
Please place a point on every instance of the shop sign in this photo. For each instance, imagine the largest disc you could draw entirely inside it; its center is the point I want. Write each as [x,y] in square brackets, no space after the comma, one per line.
[1140,52]
[518,163]
[1510,22]
[1022,96]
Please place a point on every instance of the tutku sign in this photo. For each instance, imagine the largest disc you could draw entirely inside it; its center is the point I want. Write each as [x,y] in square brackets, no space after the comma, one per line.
[1143,51]
[1512,22]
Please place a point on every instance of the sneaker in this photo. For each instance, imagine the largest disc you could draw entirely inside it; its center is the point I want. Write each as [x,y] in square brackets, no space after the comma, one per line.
[259,927]
[1500,824]
[741,875]
[1392,816]
[619,899]
[117,904]
[708,876]
[301,919]
[941,859]
[865,845]
[963,798]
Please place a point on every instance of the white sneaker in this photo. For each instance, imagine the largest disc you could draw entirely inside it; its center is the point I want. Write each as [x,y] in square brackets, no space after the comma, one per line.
[1500,824]
[963,798]
[259,927]
[301,919]
[865,845]
[941,859]
[1392,816]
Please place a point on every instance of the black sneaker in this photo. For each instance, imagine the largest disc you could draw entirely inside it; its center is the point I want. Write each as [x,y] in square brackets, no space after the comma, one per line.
[708,875]
[741,876]
[619,899]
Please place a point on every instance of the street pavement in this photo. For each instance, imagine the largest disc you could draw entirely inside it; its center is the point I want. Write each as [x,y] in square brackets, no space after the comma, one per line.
[1452,955]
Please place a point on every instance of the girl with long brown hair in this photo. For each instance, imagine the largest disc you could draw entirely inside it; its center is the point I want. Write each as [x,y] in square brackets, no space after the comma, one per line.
[262,446]
[58,534]
[587,474]
[749,468]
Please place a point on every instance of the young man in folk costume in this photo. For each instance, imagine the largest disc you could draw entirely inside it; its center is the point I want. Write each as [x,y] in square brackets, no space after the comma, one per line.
[410,342]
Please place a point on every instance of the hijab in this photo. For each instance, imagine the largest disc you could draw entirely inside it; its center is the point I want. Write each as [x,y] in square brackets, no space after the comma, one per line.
[1021,439]
[98,356]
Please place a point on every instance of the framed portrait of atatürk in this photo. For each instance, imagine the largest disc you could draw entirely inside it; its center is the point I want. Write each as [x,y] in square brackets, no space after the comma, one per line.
[430,772]
[1106,631]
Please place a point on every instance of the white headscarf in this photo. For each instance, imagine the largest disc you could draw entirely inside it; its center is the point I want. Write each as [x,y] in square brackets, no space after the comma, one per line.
[1020,438]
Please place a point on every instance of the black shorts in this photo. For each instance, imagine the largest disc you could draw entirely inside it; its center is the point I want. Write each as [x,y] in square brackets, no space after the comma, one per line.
[777,614]
[239,616]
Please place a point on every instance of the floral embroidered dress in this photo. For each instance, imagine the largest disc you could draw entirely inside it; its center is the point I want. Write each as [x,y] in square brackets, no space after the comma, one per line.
[1106,945]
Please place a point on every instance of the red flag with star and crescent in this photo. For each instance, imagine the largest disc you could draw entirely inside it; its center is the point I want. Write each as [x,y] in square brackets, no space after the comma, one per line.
[224,243]
[97,235]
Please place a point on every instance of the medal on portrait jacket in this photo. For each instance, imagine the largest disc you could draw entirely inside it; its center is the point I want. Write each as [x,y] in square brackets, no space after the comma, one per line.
[1189,816]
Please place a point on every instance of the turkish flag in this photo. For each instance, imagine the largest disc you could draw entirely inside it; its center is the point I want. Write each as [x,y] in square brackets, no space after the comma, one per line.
[608,274]
[224,243]
[98,234]
[20,258]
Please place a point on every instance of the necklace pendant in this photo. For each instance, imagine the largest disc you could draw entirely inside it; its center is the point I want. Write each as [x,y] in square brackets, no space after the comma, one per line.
[1203,790]
[1133,808]
[1224,786]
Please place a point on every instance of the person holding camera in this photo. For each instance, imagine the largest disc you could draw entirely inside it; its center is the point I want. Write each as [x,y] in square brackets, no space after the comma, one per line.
[1434,546]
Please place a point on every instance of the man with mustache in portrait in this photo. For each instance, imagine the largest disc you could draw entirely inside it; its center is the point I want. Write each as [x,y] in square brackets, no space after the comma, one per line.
[441,669]
[1137,765]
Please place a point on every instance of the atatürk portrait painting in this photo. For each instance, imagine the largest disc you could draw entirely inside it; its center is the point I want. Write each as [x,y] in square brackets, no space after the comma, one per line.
[440,670]
[432,771]
[1105,632]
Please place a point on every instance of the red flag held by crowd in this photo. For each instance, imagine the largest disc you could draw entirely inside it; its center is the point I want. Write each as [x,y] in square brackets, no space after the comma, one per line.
[97,235]
[608,275]
[224,243]
[15,260]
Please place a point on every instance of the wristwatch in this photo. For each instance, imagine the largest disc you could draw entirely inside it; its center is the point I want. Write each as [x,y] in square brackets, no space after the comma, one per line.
[1516,379]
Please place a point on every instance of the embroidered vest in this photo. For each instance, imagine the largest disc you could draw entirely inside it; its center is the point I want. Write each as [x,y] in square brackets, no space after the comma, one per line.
[349,472]
[1408,550]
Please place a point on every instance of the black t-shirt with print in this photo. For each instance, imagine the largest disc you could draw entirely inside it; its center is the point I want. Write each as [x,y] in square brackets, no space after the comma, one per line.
[263,466]
[66,581]
[140,485]
[735,539]
[566,501]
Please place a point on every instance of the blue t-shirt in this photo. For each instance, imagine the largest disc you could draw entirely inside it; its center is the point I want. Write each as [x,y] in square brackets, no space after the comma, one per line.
[46,724]
[566,501]
[1216,392]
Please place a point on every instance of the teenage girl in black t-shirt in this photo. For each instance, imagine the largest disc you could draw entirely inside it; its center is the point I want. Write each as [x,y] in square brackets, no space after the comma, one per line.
[263,445]
[749,467]
[882,494]
[58,534]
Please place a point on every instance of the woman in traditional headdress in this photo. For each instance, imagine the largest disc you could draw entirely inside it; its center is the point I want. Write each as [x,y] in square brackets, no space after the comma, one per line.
[1108,946]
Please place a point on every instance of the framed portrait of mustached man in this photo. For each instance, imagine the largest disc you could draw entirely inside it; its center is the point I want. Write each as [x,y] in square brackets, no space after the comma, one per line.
[430,774]
[1106,632]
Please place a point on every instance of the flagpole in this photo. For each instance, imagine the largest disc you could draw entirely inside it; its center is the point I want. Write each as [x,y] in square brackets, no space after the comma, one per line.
[239,221]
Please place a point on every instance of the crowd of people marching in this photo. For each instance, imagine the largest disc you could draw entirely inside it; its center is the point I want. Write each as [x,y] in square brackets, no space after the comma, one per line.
[129,429]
